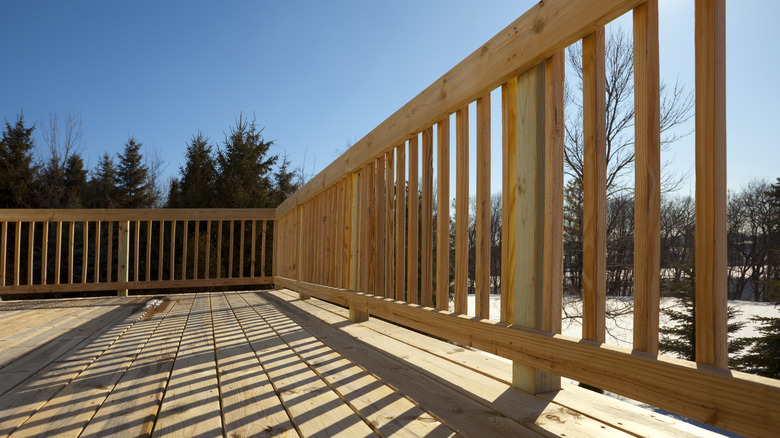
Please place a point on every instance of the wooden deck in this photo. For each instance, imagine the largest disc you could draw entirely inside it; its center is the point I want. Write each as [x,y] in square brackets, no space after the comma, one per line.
[268,364]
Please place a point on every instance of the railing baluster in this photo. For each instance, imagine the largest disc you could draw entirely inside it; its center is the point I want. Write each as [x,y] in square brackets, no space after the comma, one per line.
[443,213]
[389,216]
[400,220]
[413,240]
[57,257]
[379,173]
[85,252]
[509,181]
[161,254]
[647,200]
[136,250]
[172,255]
[482,256]
[253,258]
[30,251]
[148,276]
[241,251]
[371,187]
[97,251]
[461,211]
[123,256]
[185,235]
[263,238]
[45,252]
[219,248]
[110,252]
[3,248]
[710,245]
[230,251]
[594,240]
[195,250]
[207,270]
[71,247]
[427,218]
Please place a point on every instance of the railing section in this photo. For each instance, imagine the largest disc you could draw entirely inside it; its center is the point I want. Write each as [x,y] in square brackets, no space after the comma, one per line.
[98,250]
[362,233]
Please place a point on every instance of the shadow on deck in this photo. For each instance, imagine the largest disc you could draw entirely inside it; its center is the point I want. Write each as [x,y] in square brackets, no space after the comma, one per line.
[268,364]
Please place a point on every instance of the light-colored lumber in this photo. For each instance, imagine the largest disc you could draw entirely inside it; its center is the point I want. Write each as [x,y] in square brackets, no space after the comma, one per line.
[594,221]
[45,253]
[230,250]
[552,295]
[370,187]
[160,258]
[730,400]
[413,250]
[462,211]
[250,406]
[88,287]
[426,220]
[97,250]
[381,226]
[134,214]
[185,231]
[711,279]
[443,213]
[546,28]
[123,248]
[148,275]
[84,251]
[109,253]
[508,198]
[137,250]
[31,252]
[219,249]
[482,218]
[3,246]
[57,256]
[207,250]
[131,407]
[647,198]
[400,222]
[252,250]
[172,253]
[71,246]
[191,406]
[389,223]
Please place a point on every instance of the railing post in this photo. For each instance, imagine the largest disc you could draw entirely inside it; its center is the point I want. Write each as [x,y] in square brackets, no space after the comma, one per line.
[124,256]
[534,303]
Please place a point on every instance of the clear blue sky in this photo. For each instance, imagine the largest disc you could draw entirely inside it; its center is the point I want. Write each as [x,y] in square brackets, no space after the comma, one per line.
[317,75]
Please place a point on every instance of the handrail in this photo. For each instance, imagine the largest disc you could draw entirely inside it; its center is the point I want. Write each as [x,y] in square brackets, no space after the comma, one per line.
[82,250]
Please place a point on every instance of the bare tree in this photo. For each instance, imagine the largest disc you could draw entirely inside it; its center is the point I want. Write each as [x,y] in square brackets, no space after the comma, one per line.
[62,176]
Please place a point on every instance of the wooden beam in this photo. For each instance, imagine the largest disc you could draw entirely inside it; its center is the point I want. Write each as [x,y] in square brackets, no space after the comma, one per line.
[462,212]
[594,239]
[482,256]
[647,198]
[711,286]
[3,247]
[134,214]
[443,214]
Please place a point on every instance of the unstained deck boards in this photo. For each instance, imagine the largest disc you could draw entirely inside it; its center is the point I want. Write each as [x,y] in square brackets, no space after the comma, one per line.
[240,364]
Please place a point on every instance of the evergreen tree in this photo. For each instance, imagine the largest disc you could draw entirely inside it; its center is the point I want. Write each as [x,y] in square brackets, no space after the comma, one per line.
[243,167]
[75,182]
[103,185]
[285,183]
[763,357]
[680,338]
[132,178]
[196,187]
[17,169]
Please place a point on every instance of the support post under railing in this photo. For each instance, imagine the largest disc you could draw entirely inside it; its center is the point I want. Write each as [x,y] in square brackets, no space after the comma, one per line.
[124,256]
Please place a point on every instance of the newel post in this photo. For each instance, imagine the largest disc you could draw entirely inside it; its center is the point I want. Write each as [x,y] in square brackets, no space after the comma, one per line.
[123,272]
[536,185]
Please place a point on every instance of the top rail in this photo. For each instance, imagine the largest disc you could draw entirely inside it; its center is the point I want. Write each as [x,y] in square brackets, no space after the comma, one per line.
[135,214]
[544,30]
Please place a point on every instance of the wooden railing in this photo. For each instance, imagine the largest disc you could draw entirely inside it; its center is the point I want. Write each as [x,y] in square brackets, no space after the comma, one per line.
[361,232]
[98,250]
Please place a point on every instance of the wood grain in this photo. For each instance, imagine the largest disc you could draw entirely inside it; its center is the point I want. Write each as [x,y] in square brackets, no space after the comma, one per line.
[443,213]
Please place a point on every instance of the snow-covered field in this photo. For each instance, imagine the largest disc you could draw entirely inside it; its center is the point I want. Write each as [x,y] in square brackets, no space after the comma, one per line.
[620,328]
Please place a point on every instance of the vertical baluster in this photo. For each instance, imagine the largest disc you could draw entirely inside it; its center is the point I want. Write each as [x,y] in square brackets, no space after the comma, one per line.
[97,252]
[110,252]
[482,255]
[389,216]
[462,210]
[219,249]
[185,235]
[160,257]
[85,252]
[253,250]
[123,256]
[443,214]
[3,247]
[594,240]
[413,239]
[427,218]
[148,276]
[136,249]
[381,225]
[241,251]
[647,199]
[400,221]
[57,257]
[196,238]
[207,268]
[710,245]
[508,212]
[172,256]
[45,252]
[71,247]
[371,187]
[263,232]
[230,252]
[31,251]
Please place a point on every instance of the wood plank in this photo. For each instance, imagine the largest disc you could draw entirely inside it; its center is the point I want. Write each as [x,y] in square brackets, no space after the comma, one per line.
[462,211]
[381,216]
[426,220]
[148,276]
[185,231]
[263,239]
[69,411]
[546,28]
[314,408]
[594,221]
[172,253]
[733,401]
[389,216]
[3,249]
[109,253]
[137,250]
[554,103]
[230,250]
[250,406]
[123,249]
[84,253]
[45,253]
[160,258]
[219,249]
[191,406]
[31,252]
[370,186]
[131,407]
[252,250]
[97,251]
[134,214]
[711,192]
[413,250]
[382,407]
[443,213]
[241,249]
[508,199]
[57,256]
[647,198]
[206,262]
[71,245]
[400,222]
[482,255]
[58,366]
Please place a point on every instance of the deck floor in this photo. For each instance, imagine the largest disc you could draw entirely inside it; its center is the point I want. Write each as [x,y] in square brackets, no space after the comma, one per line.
[242,364]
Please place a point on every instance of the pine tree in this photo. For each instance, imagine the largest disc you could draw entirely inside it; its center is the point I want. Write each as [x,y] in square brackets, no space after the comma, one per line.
[196,187]
[680,338]
[242,179]
[285,183]
[132,178]
[763,357]
[17,169]
[75,182]
[103,185]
